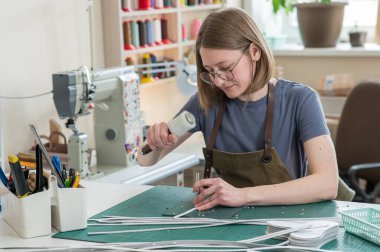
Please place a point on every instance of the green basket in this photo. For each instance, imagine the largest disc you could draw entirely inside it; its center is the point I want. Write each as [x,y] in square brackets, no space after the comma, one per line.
[364,222]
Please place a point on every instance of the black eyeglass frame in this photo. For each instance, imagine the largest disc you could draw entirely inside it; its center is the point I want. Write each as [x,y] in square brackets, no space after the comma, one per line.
[206,75]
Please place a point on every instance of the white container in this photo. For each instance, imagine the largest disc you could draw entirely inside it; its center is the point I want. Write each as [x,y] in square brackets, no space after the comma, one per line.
[68,207]
[29,216]
[33,215]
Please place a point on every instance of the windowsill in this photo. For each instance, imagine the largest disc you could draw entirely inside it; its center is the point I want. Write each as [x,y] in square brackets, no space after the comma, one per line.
[344,50]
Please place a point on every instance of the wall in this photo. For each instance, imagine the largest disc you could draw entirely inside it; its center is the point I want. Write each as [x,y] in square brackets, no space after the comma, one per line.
[309,70]
[41,37]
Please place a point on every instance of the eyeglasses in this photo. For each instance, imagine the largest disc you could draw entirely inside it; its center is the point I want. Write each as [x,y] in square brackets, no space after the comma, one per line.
[209,77]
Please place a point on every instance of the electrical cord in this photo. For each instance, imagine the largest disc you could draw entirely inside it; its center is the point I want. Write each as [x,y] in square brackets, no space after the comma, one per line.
[25,97]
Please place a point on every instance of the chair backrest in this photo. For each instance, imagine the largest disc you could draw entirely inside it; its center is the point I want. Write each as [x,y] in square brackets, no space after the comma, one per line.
[358,133]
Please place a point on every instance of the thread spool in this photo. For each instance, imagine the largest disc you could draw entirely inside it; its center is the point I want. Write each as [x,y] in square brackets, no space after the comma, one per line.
[146,78]
[159,4]
[142,33]
[126,5]
[195,26]
[149,32]
[129,61]
[183,32]
[144,4]
[153,59]
[157,31]
[135,4]
[127,36]
[164,31]
[191,2]
[167,4]
[135,34]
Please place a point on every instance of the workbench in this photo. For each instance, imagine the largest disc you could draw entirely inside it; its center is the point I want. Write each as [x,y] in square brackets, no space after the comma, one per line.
[146,201]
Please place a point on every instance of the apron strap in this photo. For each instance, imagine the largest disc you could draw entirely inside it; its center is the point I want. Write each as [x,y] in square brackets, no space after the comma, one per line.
[211,141]
[267,156]
[217,123]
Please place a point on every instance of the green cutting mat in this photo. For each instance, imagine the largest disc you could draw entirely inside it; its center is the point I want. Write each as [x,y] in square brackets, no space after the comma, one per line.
[166,200]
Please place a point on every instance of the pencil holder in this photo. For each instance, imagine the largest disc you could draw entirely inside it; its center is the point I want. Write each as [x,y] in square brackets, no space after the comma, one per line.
[68,207]
[29,216]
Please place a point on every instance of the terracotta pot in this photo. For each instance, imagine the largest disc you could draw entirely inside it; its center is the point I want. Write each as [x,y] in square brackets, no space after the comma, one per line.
[320,24]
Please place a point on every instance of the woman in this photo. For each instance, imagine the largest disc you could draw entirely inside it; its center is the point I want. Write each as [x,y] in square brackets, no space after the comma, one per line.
[263,135]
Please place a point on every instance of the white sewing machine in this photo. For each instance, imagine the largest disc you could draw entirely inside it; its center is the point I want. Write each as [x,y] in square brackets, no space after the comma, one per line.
[105,90]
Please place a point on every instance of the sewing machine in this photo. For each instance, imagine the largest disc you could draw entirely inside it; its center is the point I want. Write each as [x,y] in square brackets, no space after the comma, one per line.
[116,110]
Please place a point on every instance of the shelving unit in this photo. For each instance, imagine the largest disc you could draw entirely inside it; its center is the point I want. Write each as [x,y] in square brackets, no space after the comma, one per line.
[113,18]
[159,99]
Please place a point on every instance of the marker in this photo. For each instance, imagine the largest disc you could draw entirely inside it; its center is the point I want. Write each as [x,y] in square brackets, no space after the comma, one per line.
[3,178]
[76,180]
[18,176]
[56,162]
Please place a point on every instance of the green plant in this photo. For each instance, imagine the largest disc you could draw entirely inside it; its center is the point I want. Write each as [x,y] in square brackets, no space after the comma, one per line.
[288,4]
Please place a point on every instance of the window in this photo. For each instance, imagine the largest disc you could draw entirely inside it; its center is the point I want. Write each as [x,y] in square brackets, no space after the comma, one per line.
[362,13]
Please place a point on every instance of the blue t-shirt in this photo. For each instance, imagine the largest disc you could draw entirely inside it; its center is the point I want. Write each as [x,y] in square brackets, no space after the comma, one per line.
[298,117]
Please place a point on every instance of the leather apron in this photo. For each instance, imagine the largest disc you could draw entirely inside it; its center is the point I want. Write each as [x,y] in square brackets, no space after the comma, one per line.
[263,167]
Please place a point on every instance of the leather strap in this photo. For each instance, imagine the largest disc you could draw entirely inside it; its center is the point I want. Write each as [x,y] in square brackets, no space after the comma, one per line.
[211,141]
[267,156]
[218,122]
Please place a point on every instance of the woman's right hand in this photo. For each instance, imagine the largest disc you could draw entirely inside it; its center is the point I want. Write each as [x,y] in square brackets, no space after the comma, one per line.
[158,137]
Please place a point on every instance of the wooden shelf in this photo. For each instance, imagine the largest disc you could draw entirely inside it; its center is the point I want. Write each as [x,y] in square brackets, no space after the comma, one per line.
[149,49]
[157,82]
[201,7]
[137,13]
[188,43]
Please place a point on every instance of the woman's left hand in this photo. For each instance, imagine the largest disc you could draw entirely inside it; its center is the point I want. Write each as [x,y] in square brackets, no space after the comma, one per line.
[216,191]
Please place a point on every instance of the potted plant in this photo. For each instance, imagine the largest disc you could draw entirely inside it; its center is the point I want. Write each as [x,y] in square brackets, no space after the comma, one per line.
[320,21]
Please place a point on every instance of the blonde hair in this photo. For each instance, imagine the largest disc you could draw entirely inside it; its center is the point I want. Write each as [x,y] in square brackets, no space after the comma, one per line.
[231,29]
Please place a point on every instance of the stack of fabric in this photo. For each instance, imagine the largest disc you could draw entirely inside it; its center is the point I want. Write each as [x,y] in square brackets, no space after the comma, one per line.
[319,233]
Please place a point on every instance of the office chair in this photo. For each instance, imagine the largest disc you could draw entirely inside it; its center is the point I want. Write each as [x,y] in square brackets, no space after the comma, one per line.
[358,140]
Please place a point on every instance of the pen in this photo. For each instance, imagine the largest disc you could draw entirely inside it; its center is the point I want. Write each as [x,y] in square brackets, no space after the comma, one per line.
[64,174]
[18,176]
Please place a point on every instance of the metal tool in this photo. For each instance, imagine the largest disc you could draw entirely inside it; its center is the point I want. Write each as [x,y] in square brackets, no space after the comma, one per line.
[60,181]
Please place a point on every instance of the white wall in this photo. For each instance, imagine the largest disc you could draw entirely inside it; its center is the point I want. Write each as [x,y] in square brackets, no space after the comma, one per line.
[42,37]
[39,38]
